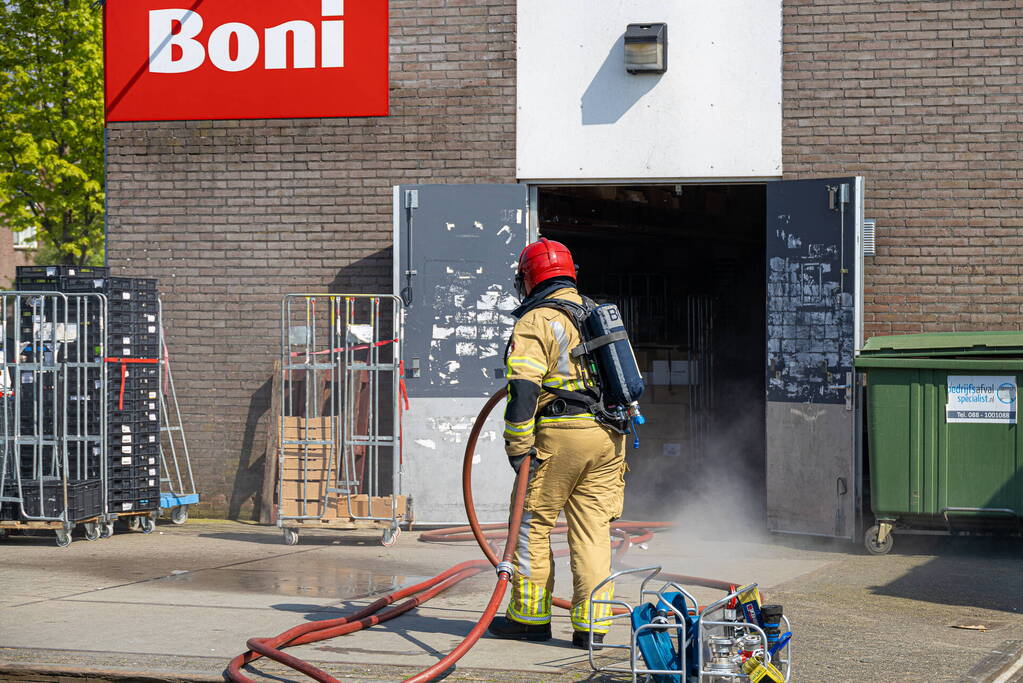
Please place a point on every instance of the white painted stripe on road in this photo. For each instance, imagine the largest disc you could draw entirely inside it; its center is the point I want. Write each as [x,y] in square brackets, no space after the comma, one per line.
[1013,670]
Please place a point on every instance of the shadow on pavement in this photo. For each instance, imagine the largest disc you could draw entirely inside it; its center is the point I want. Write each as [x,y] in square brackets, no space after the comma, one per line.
[970,572]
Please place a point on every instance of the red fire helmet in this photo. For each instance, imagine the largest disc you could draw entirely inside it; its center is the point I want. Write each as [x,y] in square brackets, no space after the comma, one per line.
[541,261]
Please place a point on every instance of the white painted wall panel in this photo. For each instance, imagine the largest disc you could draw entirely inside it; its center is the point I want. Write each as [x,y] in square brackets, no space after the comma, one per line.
[716,113]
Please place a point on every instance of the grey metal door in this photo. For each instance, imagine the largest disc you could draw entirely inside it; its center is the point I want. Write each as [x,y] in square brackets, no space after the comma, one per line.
[456,247]
[814,329]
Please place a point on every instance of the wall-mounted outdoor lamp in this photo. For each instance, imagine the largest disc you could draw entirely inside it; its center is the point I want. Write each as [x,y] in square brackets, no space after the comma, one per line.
[646,48]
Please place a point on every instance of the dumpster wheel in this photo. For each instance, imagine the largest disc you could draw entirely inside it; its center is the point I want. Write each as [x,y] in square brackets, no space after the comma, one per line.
[871,543]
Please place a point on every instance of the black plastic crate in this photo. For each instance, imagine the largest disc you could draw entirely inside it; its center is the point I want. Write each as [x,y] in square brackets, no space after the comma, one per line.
[136,408]
[57,271]
[121,471]
[133,288]
[137,427]
[118,437]
[37,284]
[131,382]
[139,445]
[132,326]
[149,479]
[46,424]
[144,441]
[134,347]
[149,351]
[87,471]
[118,418]
[86,424]
[150,488]
[84,465]
[80,284]
[143,450]
[115,395]
[122,309]
[134,411]
[142,370]
[134,338]
[81,353]
[124,460]
[123,417]
[148,503]
[144,284]
[85,499]
[122,496]
[120,483]
[134,472]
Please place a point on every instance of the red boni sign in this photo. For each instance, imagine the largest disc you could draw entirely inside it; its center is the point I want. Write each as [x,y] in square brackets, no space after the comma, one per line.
[171,60]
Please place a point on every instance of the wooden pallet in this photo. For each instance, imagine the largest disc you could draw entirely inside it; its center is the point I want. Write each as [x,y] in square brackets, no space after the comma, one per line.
[339,523]
[18,524]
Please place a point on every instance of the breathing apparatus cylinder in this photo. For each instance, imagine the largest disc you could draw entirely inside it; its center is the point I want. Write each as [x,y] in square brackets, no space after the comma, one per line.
[620,378]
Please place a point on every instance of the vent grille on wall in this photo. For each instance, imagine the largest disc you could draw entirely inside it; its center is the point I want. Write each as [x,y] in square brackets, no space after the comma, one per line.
[869,245]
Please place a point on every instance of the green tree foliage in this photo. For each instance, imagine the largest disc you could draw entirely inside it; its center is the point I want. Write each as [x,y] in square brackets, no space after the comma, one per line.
[51,126]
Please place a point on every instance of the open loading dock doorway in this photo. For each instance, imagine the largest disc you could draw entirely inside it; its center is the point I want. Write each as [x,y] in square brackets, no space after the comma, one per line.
[744,301]
[686,266]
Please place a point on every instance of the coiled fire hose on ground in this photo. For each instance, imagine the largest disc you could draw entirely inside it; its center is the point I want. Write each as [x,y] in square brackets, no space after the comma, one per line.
[379,611]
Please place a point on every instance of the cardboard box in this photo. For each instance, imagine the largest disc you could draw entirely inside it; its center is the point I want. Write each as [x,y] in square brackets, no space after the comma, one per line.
[297,469]
[293,508]
[364,506]
[308,428]
[295,489]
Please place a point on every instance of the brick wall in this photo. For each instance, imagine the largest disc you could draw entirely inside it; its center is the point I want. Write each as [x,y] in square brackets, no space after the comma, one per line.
[924,99]
[230,215]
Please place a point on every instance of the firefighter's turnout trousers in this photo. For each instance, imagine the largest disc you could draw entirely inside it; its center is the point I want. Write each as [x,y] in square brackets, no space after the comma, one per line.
[579,468]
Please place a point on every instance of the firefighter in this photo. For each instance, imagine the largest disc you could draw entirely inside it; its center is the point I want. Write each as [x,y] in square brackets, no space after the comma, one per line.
[578,463]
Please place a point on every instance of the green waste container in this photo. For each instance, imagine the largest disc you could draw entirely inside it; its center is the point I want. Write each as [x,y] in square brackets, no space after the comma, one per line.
[945,449]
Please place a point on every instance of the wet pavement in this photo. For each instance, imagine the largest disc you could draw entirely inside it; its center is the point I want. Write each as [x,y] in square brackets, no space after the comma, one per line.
[179,603]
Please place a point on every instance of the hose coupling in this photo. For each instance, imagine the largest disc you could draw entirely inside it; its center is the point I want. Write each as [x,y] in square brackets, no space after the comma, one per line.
[505,568]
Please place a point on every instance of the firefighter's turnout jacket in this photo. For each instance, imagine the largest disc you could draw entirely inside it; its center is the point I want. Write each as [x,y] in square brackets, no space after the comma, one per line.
[579,467]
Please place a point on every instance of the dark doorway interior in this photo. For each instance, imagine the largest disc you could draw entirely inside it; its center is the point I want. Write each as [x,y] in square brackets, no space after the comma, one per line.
[685,264]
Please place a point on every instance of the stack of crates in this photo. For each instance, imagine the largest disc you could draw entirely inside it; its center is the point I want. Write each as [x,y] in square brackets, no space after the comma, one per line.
[133,395]
[45,406]
[132,335]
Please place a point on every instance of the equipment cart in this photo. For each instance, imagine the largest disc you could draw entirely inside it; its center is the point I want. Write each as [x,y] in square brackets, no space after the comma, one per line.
[53,385]
[339,416]
[177,491]
[672,639]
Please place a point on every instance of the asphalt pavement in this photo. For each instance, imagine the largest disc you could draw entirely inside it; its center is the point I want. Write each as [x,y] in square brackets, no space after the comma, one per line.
[177,604]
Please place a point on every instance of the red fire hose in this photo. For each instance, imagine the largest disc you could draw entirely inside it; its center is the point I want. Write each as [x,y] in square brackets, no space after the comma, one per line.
[627,533]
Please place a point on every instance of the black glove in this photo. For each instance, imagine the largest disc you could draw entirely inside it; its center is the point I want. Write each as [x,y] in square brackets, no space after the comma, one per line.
[516,460]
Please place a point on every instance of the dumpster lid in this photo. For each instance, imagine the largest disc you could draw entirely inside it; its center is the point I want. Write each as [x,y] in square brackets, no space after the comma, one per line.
[946,344]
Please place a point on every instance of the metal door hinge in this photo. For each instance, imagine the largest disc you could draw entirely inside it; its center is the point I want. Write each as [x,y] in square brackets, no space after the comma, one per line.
[411,199]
